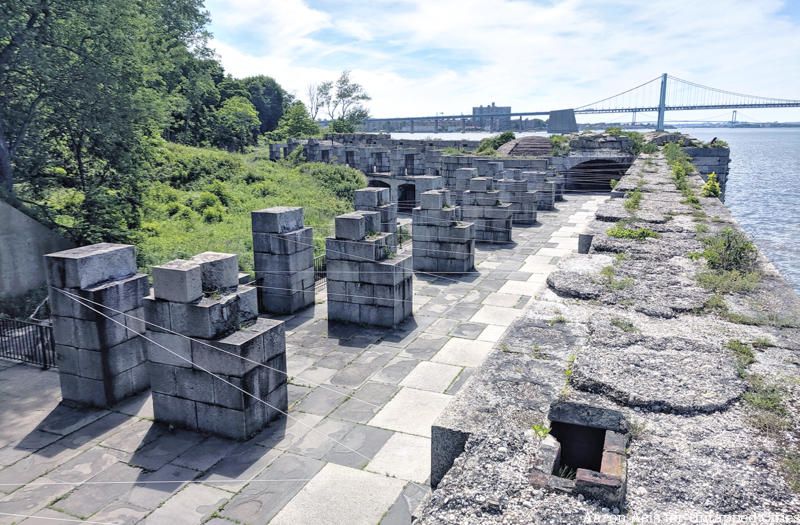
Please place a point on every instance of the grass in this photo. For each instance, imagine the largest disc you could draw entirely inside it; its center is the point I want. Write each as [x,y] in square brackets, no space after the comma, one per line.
[791,469]
[731,281]
[742,354]
[762,342]
[701,228]
[624,325]
[558,319]
[566,472]
[620,231]
[633,200]
[764,395]
[609,275]
[207,206]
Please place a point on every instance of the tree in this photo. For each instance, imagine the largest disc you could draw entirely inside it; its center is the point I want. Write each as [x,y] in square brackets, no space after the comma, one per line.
[234,124]
[314,100]
[267,96]
[342,101]
[295,122]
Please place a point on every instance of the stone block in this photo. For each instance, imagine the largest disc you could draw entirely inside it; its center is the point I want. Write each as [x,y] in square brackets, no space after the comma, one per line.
[194,384]
[175,411]
[480,184]
[220,271]
[286,302]
[432,200]
[122,295]
[178,349]
[178,281]
[156,313]
[343,311]
[125,356]
[339,270]
[295,262]
[93,335]
[370,197]
[88,266]
[248,303]
[83,390]
[284,243]
[350,226]
[280,219]
[208,318]
[237,353]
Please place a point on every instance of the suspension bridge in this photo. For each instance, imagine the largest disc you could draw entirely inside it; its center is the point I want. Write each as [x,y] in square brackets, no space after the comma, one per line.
[659,95]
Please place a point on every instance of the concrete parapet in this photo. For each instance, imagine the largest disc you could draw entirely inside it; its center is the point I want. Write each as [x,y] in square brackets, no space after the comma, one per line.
[101,358]
[441,241]
[205,356]
[367,281]
[283,259]
[483,207]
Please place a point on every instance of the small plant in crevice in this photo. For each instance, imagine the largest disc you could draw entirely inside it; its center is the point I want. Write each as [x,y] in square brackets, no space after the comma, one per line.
[711,188]
[566,472]
[558,319]
[701,228]
[763,342]
[613,183]
[609,276]
[633,200]
[743,355]
[637,428]
[624,325]
[621,231]
[542,430]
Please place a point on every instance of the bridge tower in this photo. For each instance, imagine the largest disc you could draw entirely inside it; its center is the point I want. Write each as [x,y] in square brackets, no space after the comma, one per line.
[733,117]
[662,103]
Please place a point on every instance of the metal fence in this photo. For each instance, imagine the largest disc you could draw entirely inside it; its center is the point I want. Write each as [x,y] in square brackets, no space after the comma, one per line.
[28,342]
[319,270]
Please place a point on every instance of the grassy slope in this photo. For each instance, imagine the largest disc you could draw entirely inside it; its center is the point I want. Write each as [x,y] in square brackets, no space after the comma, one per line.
[200,200]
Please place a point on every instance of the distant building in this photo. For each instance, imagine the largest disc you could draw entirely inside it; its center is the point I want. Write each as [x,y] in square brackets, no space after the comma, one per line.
[492,118]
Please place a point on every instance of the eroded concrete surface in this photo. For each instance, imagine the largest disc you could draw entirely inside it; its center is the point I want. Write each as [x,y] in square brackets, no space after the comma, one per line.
[643,342]
[356,448]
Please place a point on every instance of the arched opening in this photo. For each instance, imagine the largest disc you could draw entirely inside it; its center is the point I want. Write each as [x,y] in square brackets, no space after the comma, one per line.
[406,197]
[594,176]
[378,184]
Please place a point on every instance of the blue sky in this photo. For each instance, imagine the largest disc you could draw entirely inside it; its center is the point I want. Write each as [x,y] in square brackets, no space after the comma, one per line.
[418,57]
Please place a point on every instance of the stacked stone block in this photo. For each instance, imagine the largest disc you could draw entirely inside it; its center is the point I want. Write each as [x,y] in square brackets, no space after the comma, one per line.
[545,190]
[101,358]
[212,380]
[482,206]
[441,242]
[367,282]
[514,190]
[283,259]
[379,200]
[461,182]
[400,166]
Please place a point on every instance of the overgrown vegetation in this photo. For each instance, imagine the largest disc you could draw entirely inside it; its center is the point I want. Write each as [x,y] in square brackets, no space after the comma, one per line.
[489,145]
[207,198]
[623,324]
[609,275]
[711,188]
[730,249]
[743,355]
[621,231]
[633,200]
[559,145]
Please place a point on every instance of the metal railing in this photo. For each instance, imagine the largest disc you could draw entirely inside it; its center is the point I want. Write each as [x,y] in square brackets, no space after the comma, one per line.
[28,342]
[319,269]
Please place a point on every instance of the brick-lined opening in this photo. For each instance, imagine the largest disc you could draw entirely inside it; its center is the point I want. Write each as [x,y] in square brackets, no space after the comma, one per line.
[581,446]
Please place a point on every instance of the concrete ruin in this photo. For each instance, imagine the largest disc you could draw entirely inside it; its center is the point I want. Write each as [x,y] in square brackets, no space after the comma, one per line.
[379,200]
[101,358]
[283,260]
[513,189]
[483,207]
[367,281]
[441,241]
[214,366]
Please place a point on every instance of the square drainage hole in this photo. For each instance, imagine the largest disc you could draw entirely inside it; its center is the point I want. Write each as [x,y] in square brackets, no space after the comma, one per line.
[581,447]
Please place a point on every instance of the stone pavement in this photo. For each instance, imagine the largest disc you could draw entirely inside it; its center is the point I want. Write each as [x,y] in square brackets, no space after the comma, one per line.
[355,449]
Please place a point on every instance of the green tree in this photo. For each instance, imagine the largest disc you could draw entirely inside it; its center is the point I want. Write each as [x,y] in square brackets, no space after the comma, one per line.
[268,98]
[342,100]
[234,124]
[295,122]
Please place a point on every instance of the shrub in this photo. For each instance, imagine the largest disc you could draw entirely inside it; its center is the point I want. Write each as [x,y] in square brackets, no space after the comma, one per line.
[711,188]
[732,281]
[213,214]
[343,181]
[613,183]
[614,131]
[559,145]
[203,200]
[489,145]
[633,200]
[649,147]
[623,232]
[730,250]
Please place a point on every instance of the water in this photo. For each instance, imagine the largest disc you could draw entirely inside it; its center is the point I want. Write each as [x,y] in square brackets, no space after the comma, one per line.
[763,189]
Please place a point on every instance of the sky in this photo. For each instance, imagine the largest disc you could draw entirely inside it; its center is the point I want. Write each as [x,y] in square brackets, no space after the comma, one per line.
[422,57]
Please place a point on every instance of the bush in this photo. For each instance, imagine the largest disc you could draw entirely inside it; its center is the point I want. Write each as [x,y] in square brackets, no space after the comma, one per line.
[614,131]
[213,214]
[203,200]
[623,232]
[711,188]
[559,145]
[633,200]
[649,147]
[730,250]
[343,181]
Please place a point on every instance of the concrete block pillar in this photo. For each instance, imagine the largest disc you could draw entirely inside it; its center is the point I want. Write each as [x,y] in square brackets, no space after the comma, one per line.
[379,200]
[368,283]
[514,190]
[483,206]
[101,360]
[441,241]
[207,349]
[284,260]
[462,178]
[537,181]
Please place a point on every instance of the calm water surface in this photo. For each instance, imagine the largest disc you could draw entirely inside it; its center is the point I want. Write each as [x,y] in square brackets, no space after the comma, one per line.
[763,191]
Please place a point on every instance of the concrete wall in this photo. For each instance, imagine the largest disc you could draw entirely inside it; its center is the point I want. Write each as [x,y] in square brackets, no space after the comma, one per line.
[23,242]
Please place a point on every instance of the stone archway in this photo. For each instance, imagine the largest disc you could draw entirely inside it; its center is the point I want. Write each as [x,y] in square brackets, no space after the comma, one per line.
[594,176]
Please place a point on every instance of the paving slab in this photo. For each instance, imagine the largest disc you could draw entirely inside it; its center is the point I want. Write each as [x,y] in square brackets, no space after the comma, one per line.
[435,377]
[341,495]
[424,407]
[404,456]
[463,352]
[192,505]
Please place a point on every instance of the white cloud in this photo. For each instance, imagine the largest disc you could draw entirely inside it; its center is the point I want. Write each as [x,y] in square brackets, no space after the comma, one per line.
[525,54]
